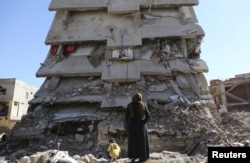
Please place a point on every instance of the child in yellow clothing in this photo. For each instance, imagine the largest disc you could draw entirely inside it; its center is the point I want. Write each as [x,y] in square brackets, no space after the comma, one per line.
[113,149]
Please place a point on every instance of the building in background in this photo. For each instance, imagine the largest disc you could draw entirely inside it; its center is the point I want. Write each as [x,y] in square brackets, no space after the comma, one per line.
[14,97]
[231,93]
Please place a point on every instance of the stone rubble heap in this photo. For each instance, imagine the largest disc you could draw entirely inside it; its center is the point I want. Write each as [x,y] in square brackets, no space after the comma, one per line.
[180,124]
[55,156]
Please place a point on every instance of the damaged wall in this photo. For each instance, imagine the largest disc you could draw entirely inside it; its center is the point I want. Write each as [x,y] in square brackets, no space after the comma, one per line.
[14,97]
[233,93]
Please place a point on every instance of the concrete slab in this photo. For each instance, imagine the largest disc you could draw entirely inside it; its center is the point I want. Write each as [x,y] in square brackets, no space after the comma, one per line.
[198,65]
[201,80]
[170,27]
[160,96]
[82,99]
[124,34]
[99,4]
[182,81]
[77,99]
[147,67]
[179,65]
[69,66]
[121,6]
[167,3]
[121,72]
[119,31]
[116,101]
[75,114]
[157,87]
[193,83]
[77,4]
[97,26]
[118,71]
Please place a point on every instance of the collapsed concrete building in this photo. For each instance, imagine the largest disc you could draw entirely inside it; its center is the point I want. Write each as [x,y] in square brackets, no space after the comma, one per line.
[233,93]
[101,53]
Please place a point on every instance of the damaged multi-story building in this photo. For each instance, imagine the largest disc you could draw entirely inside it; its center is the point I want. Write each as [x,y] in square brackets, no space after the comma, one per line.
[14,97]
[101,53]
[233,93]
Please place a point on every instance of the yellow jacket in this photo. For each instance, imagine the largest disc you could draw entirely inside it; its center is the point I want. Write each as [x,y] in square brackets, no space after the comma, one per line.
[114,150]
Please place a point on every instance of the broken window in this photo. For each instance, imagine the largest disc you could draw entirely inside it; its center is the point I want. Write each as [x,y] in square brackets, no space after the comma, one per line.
[3,109]
[16,103]
[2,90]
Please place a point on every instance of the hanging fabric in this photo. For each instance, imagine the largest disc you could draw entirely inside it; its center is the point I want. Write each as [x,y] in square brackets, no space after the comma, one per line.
[53,49]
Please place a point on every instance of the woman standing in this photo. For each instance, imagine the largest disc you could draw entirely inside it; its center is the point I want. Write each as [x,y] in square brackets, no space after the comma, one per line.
[137,116]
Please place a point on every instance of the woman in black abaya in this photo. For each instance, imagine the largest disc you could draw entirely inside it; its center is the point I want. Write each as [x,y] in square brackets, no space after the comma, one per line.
[137,116]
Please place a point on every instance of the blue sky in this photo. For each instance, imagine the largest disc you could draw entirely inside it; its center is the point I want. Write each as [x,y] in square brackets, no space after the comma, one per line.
[25,24]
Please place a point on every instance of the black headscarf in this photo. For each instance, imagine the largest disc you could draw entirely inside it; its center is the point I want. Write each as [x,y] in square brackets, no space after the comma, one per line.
[137,98]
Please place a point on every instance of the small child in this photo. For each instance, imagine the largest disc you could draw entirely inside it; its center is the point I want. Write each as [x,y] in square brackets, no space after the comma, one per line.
[113,149]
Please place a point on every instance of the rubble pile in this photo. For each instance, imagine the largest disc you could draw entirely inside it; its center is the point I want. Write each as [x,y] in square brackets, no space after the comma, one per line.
[236,126]
[101,54]
[178,127]
[54,156]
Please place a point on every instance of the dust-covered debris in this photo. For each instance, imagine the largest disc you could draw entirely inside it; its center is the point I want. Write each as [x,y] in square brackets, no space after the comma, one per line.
[100,56]
[55,156]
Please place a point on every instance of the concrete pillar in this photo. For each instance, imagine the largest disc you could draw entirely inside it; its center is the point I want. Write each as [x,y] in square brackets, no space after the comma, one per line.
[223,95]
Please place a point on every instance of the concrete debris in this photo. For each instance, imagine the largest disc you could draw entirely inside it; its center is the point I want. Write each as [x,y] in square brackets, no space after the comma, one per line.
[106,52]
[55,156]
[187,129]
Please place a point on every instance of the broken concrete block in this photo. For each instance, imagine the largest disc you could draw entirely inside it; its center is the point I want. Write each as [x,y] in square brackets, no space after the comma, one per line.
[117,72]
[179,65]
[201,81]
[198,65]
[158,88]
[25,159]
[182,81]
[112,129]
